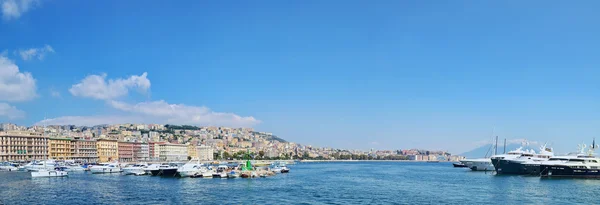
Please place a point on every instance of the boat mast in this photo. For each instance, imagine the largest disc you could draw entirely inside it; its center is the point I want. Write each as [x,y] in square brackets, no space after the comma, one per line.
[496,146]
[504,146]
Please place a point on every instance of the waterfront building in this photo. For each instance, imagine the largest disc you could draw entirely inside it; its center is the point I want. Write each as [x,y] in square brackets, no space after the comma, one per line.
[15,145]
[84,150]
[156,154]
[143,153]
[125,151]
[173,152]
[59,148]
[205,153]
[192,152]
[107,150]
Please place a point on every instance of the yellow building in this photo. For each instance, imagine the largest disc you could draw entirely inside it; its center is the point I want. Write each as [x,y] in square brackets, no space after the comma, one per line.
[108,150]
[59,148]
[192,151]
[23,146]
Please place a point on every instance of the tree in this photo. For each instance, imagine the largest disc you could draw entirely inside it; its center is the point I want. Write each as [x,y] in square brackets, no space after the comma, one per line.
[226,155]
[189,158]
[261,154]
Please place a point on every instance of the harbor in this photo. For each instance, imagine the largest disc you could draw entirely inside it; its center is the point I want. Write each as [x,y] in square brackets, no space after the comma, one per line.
[313,183]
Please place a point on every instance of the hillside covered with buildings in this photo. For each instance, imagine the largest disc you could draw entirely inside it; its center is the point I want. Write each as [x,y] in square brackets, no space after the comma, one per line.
[157,142]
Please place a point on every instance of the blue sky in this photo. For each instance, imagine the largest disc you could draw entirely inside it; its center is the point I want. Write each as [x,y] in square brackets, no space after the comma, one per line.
[345,74]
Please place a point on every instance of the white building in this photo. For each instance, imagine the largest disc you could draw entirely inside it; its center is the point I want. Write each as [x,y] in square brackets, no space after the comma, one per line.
[173,152]
[205,153]
[144,152]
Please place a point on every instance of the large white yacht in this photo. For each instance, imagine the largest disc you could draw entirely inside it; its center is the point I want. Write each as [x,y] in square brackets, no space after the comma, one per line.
[582,166]
[517,165]
[106,168]
[40,165]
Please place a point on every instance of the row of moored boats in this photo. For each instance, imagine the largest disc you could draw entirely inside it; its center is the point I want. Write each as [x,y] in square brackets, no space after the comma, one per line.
[52,168]
[582,164]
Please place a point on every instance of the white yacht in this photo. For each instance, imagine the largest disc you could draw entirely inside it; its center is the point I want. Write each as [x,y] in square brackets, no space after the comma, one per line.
[57,172]
[40,165]
[106,168]
[516,165]
[487,164]
[74,168]
[189,169]
[136,169]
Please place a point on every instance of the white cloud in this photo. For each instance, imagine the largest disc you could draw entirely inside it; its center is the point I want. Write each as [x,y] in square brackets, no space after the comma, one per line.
[10,111]
[15,85]
[184,114]
[38,53]
[96,86]
[13,9]
[158,112]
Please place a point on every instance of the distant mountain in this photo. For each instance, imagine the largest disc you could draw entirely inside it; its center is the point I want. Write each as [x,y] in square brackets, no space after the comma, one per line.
[481,151]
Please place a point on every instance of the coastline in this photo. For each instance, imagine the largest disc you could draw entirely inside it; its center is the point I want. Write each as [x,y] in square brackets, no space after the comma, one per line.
[372,161]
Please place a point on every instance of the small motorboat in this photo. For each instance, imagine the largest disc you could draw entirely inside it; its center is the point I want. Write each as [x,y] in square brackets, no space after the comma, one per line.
[233,174]
[459,164]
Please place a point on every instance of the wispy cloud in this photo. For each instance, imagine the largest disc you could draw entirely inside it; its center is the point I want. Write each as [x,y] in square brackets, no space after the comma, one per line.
[14,9]
[11,112]
[54,93]
[36,53]
[15,85]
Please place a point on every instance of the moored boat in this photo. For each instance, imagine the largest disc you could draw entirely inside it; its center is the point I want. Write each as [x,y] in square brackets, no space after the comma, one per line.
[106,168]
[517,165]
[57,172]
[189,169]
[136,169]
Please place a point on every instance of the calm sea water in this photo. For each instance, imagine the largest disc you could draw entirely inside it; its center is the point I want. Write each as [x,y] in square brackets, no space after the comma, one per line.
[308,183]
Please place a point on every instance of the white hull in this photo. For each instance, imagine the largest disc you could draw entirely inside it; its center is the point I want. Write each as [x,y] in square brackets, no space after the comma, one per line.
[133,171]
[207,175]
[188,173]
[99,170]
[482,166]
[46,173]
[8,168]
[75,169]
